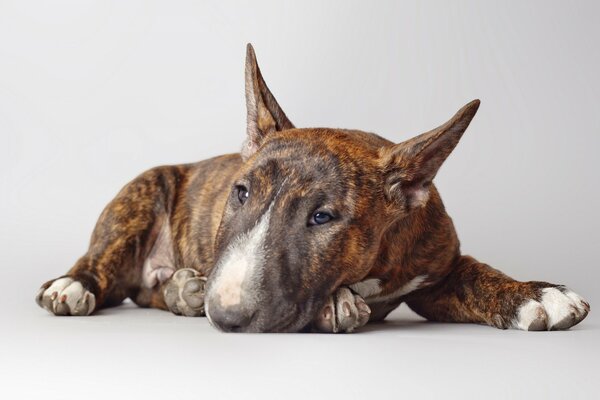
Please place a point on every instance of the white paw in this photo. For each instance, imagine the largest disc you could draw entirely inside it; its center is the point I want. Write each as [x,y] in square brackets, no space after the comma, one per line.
[66,296]
[184,293]
[343,312]
[558,308]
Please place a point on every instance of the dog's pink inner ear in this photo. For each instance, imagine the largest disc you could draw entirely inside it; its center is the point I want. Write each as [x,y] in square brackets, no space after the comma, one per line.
[409,167]
[265,116]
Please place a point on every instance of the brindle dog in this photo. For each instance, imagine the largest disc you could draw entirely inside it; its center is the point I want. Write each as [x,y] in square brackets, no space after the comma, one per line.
[306,229]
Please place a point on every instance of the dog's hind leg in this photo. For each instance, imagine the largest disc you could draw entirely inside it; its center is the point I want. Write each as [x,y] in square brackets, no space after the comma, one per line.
[112,268]
[475,292]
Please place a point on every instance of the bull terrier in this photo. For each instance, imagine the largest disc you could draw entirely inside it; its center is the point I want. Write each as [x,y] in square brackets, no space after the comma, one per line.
[306,229]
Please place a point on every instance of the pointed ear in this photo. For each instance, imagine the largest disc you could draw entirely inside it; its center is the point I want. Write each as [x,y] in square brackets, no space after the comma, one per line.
[409,167]
[265,116]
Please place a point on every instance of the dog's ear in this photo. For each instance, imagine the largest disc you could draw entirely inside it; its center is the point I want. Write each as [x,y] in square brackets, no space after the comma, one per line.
[264,114]
[409,167]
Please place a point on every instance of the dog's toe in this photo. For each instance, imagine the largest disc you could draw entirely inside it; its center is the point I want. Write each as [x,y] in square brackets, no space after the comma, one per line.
[558,308]
[66,296]
[184,293]
[343,312]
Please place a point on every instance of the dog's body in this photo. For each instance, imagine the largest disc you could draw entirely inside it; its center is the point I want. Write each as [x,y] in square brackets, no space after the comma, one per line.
[301,230]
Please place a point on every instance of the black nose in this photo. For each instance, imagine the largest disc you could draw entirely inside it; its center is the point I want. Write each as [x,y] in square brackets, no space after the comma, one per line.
[230,319]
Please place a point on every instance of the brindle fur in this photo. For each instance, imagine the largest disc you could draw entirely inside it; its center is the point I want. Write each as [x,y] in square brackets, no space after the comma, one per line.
[385,228]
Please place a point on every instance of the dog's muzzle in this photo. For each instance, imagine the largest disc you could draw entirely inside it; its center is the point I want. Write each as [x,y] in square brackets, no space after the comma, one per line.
[228,319]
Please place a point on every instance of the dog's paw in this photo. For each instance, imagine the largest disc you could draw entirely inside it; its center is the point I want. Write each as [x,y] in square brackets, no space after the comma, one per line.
[343,312]
[557,308]
[65,296]
[184,293]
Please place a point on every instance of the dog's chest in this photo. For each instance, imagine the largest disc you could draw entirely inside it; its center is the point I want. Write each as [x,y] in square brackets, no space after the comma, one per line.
[160,263]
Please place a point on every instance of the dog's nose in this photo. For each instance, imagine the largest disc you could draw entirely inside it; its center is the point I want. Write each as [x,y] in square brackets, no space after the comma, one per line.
[231,319]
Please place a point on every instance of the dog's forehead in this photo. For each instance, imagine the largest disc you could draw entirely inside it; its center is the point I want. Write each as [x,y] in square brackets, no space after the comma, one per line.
[305,166]
[311,175]
[319,153]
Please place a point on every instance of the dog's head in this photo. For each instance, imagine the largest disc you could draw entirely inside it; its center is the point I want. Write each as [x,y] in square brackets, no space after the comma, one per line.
[308,209]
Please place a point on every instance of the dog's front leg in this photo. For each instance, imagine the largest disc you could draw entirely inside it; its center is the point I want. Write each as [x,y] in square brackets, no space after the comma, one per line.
[184,293]
[475,292]
[111,270]
[344,312]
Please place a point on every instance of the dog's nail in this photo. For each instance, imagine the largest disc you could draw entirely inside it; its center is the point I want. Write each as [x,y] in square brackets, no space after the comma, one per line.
[346,308]
[54,296]
[327,312]
[63,298]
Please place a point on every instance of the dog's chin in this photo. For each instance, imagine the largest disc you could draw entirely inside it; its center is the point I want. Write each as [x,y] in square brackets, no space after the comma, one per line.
[294,320]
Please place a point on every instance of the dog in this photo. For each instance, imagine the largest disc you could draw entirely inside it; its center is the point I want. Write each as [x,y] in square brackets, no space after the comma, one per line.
[309,229]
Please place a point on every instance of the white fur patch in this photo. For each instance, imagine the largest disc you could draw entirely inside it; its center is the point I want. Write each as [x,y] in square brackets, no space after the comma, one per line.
[58,286]
[411,286]
[241,267]
[75,295]
[555,306]
[558,306]
[367,288]
[530,311]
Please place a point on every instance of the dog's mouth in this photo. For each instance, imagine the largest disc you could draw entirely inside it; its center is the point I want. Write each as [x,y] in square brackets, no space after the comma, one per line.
[288,323]
[294,320]
[291,318]
[298,319]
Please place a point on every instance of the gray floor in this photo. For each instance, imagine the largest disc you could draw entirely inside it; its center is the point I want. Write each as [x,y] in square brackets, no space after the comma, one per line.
[125,351]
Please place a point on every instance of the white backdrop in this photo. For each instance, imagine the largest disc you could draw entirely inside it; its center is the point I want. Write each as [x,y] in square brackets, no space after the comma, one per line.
[94,92]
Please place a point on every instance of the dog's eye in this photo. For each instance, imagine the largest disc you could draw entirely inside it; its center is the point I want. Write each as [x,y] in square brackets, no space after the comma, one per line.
[242,193]
[320,218]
